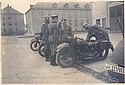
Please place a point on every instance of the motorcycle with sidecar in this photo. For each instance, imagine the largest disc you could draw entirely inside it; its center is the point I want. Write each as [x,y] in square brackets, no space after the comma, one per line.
[69,53]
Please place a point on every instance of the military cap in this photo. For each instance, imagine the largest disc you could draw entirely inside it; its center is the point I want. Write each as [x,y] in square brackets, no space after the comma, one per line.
[54,16]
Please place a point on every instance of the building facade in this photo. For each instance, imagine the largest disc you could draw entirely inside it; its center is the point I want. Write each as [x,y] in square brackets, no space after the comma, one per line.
[75,13]
[12,21]
[105,13]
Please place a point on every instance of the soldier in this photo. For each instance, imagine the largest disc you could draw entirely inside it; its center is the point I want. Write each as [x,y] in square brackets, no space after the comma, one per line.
[96,31]
[66,32]
[45,35]
[53,38]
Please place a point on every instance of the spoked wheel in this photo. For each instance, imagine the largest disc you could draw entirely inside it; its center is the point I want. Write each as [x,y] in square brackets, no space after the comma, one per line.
[41,50]
[65,57]
[34,45]
[104,54]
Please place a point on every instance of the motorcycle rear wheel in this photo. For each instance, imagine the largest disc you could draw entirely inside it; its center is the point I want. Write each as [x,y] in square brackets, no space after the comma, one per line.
[104,54]
[34,45]
[66,57]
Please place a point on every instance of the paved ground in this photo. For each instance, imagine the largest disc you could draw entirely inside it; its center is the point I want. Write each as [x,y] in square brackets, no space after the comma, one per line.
[21,65]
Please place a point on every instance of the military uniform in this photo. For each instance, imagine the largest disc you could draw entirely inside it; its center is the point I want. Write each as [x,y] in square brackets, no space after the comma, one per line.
[53,39]
[45,36]
[97,32]
[66,32]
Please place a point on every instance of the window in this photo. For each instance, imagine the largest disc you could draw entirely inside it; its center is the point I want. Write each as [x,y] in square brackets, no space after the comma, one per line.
[81,14]
[49,13]
[66,5]
[76,23]
[87,21]
[76,6]
[69,14]
[103,22]
[3,24]
[10,24]
[81,23]
[42,13]
[4,30]
[9,18]
[54,5]
[75,13]
[87,6]
[98,21]
[70,22]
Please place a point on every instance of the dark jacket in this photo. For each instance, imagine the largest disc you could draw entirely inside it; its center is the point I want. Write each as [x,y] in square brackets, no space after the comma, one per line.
[97,32]
[44,31]
[65,32]
[53,32]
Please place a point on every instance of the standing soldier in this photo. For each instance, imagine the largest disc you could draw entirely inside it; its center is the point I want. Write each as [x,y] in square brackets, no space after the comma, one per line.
[53,39]
[66,32]
[45,35]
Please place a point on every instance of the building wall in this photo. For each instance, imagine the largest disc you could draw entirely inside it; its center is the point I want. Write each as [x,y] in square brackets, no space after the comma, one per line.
[75,17]
[12,24]
[100,11]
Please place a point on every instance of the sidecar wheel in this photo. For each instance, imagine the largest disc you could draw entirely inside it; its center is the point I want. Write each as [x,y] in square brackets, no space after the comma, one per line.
[41,50]
[66,57]
[34,45]
[104,54]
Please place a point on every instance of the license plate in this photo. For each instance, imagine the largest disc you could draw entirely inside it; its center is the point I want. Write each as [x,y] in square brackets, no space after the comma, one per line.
[115,68]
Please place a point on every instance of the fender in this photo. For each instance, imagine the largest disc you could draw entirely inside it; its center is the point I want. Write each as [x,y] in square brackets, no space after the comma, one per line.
[61,46]
[33,40]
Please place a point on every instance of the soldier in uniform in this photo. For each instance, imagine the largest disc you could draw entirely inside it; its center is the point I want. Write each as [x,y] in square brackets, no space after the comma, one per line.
[66,32]
[53,38]
[45,35]
[96,31]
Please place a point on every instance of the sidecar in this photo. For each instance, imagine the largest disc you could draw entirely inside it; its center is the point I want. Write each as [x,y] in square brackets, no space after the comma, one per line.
[69,53]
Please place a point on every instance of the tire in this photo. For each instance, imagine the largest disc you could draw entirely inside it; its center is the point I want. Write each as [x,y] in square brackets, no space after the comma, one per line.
[41,50]
[104,54]
[34,45]
[67,53]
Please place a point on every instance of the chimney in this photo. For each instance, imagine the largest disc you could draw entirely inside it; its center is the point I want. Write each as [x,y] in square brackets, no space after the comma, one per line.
[7,5]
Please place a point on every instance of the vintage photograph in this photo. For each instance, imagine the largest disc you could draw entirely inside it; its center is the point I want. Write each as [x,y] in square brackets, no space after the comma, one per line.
[44,42]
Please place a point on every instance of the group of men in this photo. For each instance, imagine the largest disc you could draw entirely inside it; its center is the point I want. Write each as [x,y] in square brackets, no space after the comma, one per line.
[54,33]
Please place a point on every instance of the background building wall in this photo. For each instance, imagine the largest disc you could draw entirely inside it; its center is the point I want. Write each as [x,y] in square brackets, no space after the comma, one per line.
[12,23]
[75,16]
[100,12]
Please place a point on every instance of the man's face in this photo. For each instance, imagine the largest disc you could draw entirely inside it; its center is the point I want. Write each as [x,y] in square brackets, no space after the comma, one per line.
[55,19]
[64,23]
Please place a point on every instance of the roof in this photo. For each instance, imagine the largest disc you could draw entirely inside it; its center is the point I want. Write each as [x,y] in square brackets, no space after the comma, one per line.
[61,5]
[10,10]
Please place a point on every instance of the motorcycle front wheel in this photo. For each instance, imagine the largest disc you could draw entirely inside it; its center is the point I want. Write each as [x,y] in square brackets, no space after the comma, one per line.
[34,45]
[41,50]
[66,57]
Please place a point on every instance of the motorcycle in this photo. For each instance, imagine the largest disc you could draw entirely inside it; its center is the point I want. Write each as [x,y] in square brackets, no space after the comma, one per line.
[35,43]
[68,54]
